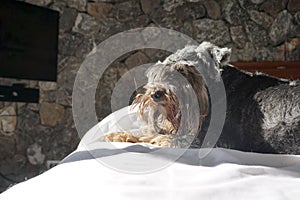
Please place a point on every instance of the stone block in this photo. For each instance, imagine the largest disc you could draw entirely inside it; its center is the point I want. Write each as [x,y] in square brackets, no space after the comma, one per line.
[13,165]
[46,86]
[171,5]
[213,9]
[27,119]
[136,59]
[85,24]
[214,31]
[33,106]
[139,22]
[149,6]
[256,34]
[51,114]
[292,48]
[64,97]
[127,10]
[261,18]
[238,36]
[190,11]
[233,13]
[48,96]
[67,19]
[273,7]
[68,43]
[77,4]
[99,10]
[58,6]
[281,27]
[8,120]
[263,54]
[246,54]
[7,147]
[293,5]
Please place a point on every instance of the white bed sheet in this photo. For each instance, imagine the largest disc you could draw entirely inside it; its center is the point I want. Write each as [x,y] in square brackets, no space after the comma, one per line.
[88,172]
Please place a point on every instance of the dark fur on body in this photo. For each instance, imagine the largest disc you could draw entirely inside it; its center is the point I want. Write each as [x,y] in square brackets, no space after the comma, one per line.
[263,113]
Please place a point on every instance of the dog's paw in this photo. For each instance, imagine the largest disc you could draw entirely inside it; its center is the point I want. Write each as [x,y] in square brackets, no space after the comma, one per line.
[159,140]
[163,141]
[120,137]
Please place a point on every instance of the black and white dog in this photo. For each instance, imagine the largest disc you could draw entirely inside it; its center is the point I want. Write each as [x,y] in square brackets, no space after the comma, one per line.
[262,112]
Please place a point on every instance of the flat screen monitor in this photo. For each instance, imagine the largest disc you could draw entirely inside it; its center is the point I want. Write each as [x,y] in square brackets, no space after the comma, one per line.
[28,41]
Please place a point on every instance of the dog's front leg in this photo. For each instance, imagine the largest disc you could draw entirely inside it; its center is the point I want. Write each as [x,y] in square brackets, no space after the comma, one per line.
[159,140]
[120,137]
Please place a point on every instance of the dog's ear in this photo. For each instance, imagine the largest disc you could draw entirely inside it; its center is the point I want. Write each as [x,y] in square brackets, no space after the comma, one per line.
[221,56]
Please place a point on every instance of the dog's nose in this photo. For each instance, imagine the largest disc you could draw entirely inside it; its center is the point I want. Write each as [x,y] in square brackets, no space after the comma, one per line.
[157,95]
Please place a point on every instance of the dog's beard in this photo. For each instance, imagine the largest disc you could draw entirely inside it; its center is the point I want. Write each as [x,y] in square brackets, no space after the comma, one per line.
[174,114]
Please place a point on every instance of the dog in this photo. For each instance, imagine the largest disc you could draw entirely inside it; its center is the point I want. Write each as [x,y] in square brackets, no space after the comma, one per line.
[263,112]
[171,89]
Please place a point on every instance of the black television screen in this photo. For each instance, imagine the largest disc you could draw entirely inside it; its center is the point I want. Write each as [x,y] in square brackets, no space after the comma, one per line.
[28,41]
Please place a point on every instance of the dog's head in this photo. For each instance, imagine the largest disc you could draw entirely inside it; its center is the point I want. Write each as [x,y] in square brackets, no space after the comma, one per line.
[176,95]
[172,92]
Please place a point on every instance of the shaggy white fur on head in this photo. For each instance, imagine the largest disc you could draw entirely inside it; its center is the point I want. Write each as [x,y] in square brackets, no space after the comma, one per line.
[207,57]
[220,55]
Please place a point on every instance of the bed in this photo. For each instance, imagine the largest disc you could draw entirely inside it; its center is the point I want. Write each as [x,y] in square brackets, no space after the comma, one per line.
[99,170]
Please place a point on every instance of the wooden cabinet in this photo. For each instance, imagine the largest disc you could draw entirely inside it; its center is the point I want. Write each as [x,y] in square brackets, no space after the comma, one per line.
[289,70]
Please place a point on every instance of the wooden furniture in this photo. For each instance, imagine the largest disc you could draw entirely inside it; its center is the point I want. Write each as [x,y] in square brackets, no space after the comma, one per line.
[289,70]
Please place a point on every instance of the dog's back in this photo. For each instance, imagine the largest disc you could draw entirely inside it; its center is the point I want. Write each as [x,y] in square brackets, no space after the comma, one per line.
[263,113]
[280,106]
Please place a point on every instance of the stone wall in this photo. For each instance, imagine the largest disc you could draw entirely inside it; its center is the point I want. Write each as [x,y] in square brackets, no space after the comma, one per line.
[31,135]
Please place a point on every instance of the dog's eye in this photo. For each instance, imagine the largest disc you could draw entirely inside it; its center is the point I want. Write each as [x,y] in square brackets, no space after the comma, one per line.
[156,96]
